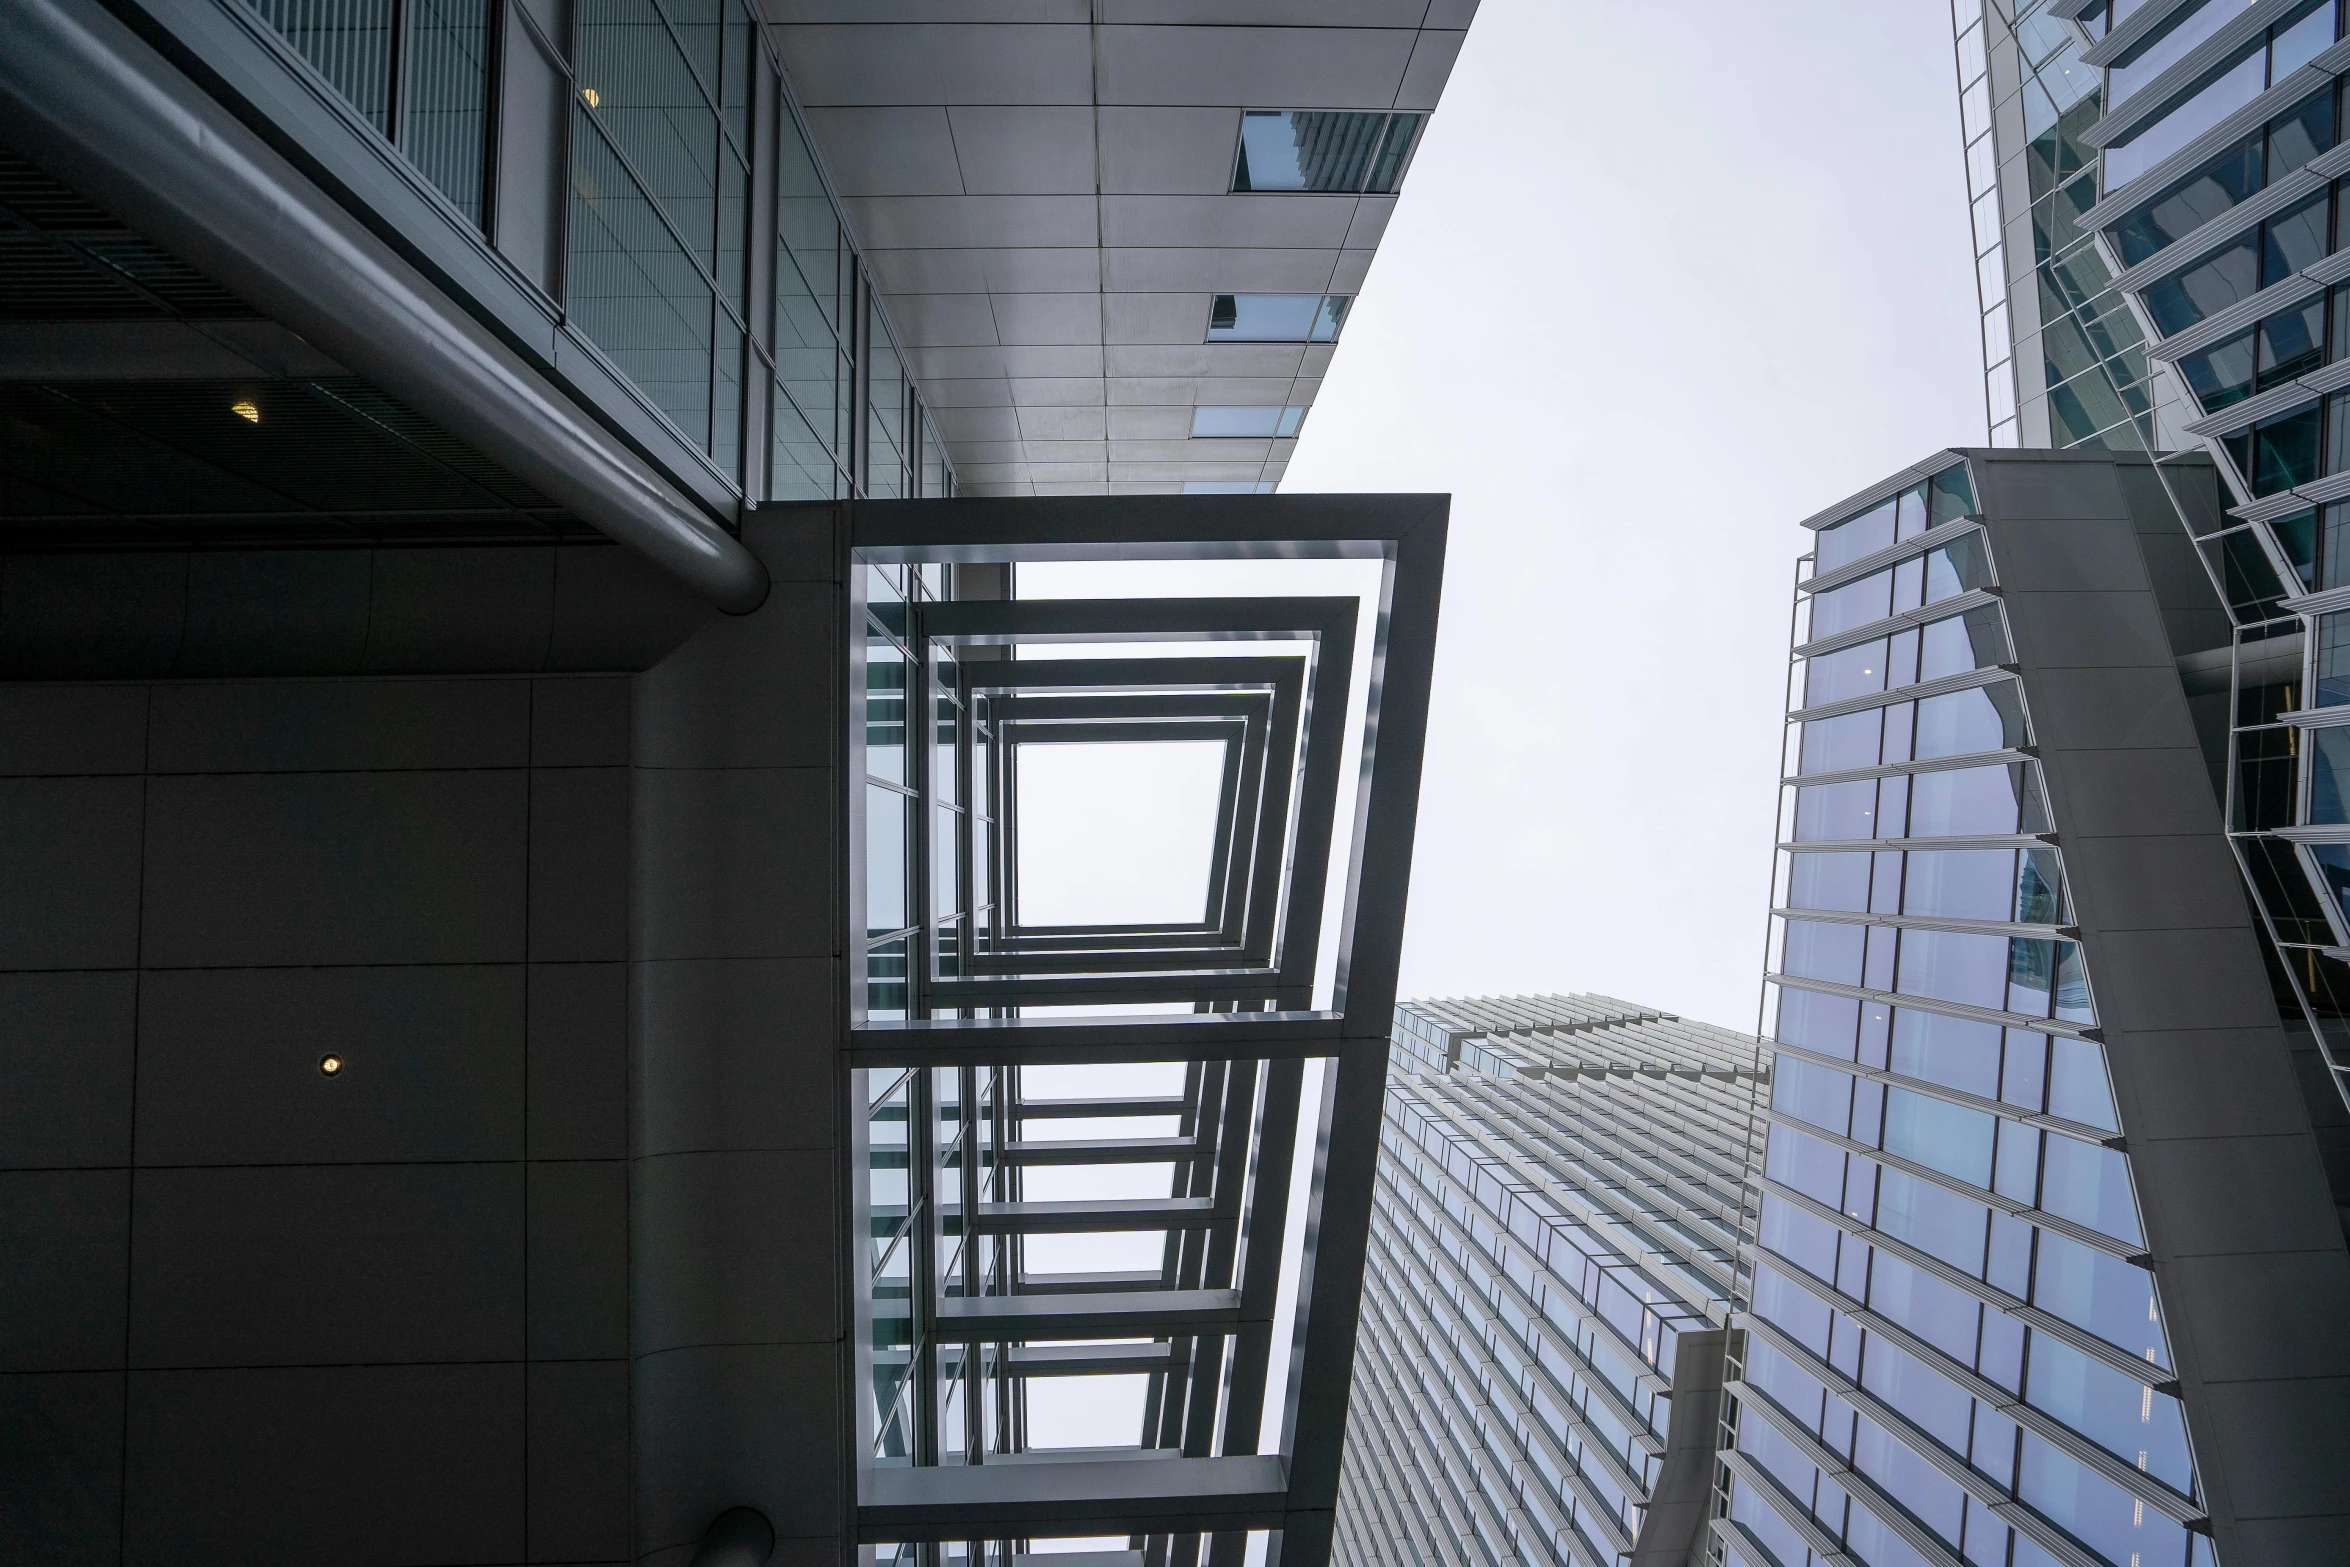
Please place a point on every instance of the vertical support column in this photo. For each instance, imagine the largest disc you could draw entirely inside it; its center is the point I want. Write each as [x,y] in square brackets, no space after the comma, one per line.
[738,1095]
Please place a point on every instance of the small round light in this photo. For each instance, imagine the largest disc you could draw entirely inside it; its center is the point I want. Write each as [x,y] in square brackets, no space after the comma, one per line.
[589,93]
[245,409]
[328,1066]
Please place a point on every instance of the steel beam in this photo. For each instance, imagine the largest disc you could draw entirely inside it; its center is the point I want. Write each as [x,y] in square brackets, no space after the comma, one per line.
[1002,1319]
[1094,1216]
[1087,1497]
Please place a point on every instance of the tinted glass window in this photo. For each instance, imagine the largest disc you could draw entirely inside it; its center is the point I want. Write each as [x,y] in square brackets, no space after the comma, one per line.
[2214,283]
[1852,671]
[2292,341]
[1865,534]
[2297,238]
[2230,178]
[2224,374]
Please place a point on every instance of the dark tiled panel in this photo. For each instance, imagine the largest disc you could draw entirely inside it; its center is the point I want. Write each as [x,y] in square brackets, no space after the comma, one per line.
[64,1235]
[361,1466]
[581,721]
[322,1265]
[55,729]
[61,1469]
[253,726]
[579,864]
[432,1065]
[65,1063]
[578,1260]
[69,872]
[578,1061]
[579,1477]
[336,868]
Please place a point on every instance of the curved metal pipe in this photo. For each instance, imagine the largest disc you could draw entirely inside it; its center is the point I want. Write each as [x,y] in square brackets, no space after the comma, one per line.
[738,1537]
[93,104]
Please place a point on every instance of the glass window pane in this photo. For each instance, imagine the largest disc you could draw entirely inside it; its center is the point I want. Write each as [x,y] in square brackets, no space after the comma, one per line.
[633,290]
[1849,540]
[800,468]
[2296,239]
[2224,374]
[885,860]
[1849,672]
[885,706]
[348,41]
[1964,884]
[448,97]
[631,73]
[1305,150]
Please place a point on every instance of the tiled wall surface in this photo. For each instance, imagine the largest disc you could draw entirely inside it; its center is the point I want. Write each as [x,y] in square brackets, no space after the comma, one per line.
[250,1312]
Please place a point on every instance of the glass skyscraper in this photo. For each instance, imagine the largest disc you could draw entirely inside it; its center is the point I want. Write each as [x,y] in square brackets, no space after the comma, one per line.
[2156,196]
[1553,1255]
[2045,1246]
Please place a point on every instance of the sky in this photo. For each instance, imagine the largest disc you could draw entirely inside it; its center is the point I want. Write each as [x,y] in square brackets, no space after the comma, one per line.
[1662,281]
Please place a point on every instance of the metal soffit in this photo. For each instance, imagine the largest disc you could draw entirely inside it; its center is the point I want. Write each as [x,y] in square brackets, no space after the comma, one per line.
[1046,201]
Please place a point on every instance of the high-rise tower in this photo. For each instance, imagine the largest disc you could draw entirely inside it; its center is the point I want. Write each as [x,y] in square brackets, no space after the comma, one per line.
[1553,1252]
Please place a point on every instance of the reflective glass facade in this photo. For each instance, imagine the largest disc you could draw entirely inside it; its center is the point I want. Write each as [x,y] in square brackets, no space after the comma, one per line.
[1553,1236]
[2159,217]
[1954,1349]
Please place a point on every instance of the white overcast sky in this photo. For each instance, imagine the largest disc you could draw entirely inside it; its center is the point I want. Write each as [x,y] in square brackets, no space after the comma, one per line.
[1663,279]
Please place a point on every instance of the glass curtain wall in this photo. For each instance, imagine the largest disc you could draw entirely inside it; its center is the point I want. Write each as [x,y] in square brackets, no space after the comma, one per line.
[666,154]
[2178,182]
[1953,1352]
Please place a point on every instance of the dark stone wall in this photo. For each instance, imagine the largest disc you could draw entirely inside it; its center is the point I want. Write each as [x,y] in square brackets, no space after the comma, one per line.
[250,1313]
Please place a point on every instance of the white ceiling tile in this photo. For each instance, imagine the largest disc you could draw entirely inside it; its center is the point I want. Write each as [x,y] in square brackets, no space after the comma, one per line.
[968,453]
[1157,422]
[787,13]
[1048,319]
[1074,360]
[928,364]
[1144,486]
[1263,67]
[1204,271]
[964,486]
[874,63]
[1212,451]
[1350,271]
[1081,487]
[1152,390]
[1179,471]
[1371,216]
[1057,391]
[1071,271]
[992,473]
[1155,318]
[975,424]
[1063,424]
[934,319]
[1063,451]
[904,151]
[1268,13]
[1024,150]
[1423,79]
[1172,359]
[890,222]
[1249,391]
[1168,152]
[932,271]
[1045,473]
[1260,222]
[974,393]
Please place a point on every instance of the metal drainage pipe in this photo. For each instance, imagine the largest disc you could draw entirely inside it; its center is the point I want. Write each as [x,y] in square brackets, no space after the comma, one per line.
[93,104]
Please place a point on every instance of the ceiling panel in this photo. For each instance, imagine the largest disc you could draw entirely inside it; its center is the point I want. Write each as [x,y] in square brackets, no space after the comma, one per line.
[1038,175]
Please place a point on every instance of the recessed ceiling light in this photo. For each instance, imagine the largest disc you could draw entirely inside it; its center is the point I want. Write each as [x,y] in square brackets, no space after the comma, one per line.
[589,93]
[245,409]
[329,1065]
